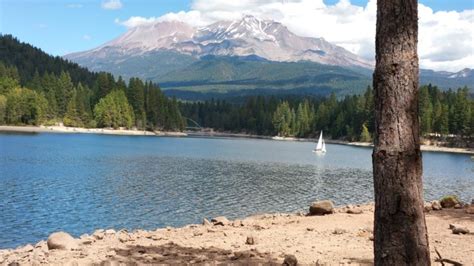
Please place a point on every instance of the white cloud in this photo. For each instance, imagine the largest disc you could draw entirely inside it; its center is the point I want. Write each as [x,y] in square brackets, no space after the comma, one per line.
[74,6]
[111,4]
[446,39]
[136,21]
[42,26]
[86,37]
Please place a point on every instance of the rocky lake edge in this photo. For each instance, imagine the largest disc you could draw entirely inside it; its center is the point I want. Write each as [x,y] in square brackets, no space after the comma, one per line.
[324,236]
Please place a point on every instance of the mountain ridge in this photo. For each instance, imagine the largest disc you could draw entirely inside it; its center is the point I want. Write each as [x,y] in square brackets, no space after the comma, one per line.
[248,36]
[245,54]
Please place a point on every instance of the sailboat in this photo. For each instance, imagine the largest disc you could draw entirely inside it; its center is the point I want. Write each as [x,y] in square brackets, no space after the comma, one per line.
[321,146]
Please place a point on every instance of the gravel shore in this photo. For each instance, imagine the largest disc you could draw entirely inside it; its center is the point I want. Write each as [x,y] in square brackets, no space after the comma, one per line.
[344,237]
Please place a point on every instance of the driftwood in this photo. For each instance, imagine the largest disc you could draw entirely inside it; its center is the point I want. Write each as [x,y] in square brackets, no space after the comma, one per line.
[442,261]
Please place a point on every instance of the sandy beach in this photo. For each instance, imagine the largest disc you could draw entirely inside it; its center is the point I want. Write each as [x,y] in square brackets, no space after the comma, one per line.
[430,148]
[78,130]
[341,238]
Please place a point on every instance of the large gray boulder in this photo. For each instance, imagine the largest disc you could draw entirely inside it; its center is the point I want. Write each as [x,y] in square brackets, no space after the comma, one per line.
[61,240]
[321,207]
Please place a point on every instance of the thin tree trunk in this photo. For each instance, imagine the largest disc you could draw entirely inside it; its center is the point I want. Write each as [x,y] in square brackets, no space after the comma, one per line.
[400,229]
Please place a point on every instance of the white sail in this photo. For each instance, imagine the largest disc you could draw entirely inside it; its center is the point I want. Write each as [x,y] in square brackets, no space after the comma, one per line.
[321,146]
[320,142]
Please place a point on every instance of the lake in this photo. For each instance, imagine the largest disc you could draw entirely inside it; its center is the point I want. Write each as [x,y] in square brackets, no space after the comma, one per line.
[80,182]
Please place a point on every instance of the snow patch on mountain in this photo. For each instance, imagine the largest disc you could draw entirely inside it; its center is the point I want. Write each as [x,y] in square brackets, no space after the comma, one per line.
[465,73]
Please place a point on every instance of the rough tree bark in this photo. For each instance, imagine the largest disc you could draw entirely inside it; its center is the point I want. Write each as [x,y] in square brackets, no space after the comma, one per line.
[400,229]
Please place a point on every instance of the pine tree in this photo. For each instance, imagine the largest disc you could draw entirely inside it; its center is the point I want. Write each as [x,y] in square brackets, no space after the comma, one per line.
[369,108]
[71,117]
[35,83]
[338,127]
[303,119]
[48,86]
[136,97]
[9,79]
[437,113]
[365,135]
[64,90]
[461,112]
[121,84]
[3,109]
[114,111]
[104,85]
[426,110]
[282,119]
[444,120]
[322,118]
[83,103]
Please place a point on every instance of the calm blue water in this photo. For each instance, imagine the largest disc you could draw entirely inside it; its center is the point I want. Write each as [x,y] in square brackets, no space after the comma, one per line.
[78,183]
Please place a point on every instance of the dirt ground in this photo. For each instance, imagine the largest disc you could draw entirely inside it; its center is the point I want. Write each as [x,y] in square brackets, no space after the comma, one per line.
[340,238]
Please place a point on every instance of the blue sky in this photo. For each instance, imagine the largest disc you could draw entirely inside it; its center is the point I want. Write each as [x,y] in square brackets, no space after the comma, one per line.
[61,27]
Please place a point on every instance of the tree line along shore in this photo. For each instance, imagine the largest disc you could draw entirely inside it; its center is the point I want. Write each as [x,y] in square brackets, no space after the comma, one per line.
[50,99]
[446,117]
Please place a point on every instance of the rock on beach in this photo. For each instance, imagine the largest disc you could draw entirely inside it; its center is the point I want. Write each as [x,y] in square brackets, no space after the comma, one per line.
[435,205]
[221,220]
[321,207]
[62,241]
[449,201]
[458,229]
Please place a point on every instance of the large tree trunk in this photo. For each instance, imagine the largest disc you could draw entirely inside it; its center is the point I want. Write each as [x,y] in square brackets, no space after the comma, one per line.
[400,229]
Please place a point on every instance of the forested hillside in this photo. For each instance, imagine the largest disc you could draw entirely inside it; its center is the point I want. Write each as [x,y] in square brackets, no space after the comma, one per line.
[28,60]
[36,89]
[230,74]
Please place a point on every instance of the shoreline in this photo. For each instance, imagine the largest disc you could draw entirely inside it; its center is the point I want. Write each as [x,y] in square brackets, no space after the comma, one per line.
[129,132]
[80,130]
[427,148]
[343,237]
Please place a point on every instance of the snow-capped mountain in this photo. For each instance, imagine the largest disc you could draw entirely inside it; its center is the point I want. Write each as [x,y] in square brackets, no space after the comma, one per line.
[248,54]
[248,36]
[465,73]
